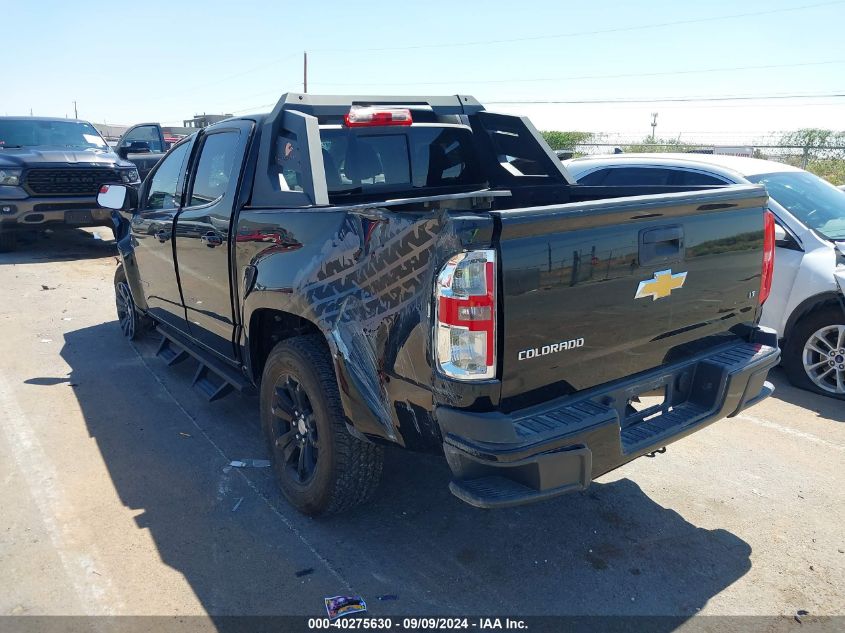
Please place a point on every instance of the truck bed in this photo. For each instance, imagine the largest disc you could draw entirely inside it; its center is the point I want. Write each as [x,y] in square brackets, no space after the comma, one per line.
[571,272]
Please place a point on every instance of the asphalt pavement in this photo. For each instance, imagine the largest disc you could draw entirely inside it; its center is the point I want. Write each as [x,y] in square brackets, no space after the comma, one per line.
[116,496]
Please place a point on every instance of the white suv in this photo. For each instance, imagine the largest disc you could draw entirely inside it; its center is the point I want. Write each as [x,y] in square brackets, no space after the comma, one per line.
[806,305]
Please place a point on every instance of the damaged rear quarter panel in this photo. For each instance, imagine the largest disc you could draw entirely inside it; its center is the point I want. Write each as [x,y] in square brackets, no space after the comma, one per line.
[365,279]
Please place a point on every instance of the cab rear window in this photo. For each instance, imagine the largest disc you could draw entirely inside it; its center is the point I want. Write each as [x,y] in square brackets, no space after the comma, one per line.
[396,161]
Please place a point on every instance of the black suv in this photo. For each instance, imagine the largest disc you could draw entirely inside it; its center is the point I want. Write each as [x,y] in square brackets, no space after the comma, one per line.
[50,172]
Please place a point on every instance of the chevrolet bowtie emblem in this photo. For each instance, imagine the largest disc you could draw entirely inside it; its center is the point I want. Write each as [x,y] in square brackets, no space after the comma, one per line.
[661,286]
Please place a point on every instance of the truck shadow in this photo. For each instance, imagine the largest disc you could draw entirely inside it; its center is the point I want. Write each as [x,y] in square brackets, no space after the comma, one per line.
[60,245]
[823,406]
[415,550]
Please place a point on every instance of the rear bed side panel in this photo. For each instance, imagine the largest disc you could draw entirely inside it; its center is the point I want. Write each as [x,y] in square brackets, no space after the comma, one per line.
[365,279]
[571,275]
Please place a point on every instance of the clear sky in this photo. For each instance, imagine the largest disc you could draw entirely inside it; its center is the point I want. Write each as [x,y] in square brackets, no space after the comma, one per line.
[126,62]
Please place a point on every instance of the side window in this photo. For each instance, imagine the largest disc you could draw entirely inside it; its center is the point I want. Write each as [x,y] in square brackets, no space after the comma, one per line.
[161,193]
[214,169]
[289,161]
[593,179]
[143,137]
[638,176]
[695,179]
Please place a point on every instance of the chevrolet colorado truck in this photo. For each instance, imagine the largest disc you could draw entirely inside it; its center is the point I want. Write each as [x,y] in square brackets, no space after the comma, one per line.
[420,272]
[50,172]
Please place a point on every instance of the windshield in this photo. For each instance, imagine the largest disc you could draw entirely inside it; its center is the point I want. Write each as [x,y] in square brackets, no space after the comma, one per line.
[814,201]
[36,132]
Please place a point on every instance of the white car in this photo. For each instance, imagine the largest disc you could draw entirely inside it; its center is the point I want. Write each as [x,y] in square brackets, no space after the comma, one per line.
[806,305]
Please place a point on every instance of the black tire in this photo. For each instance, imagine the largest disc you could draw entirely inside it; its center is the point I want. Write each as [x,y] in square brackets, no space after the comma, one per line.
[8,241]
[325,470]
[793,350]
[133,323]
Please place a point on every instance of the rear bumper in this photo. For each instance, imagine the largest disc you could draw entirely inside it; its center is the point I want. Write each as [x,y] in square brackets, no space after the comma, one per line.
[501,460]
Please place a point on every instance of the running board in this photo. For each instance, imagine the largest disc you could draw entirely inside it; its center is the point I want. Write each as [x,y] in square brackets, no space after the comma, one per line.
[214,378]
[212,385]
[170,352]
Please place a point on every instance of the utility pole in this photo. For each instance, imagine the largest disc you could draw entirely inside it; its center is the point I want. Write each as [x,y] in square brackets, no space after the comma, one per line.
[305,71]
[653,124]
[75,113]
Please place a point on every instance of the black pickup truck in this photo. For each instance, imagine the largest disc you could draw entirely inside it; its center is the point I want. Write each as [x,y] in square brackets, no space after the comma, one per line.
[143,145]
[50,172]
[417,271]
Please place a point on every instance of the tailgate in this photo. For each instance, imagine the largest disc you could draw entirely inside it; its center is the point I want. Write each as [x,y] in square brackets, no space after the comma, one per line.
[597,291]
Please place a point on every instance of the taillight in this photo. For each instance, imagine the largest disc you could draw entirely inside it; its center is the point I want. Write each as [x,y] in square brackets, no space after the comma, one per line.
[376,117]
[465,336]
[768,256]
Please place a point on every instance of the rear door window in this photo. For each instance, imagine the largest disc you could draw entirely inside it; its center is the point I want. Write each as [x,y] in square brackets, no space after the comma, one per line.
[638,176]
[697,179]
[642,176]
[593,179]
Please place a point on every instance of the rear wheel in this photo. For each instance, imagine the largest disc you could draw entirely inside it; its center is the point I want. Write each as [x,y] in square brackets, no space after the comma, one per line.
[132,322]
[321,468]
[814,355]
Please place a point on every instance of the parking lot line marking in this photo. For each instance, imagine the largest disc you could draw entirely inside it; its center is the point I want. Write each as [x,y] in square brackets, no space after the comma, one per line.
[790,431]
[240,471]
[95,591]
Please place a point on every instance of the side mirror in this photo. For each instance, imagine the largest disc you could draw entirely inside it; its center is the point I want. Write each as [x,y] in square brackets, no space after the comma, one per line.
[784,239]
[133,147]
[112,197]
[139,147]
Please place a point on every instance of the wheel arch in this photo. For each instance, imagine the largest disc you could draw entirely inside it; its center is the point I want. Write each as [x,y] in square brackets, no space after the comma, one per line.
[129,266]
[816,302]
[268,326]
[270,317]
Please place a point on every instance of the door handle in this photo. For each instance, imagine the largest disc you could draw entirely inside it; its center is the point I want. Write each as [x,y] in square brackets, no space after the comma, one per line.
[211,239]
[661,245]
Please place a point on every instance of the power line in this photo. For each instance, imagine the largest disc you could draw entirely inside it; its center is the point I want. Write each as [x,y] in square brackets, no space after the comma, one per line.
[666,99]
[669,100]
[582,77]
[257,108]
[263,106]
[250,70]
[747,104]
[622,29]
